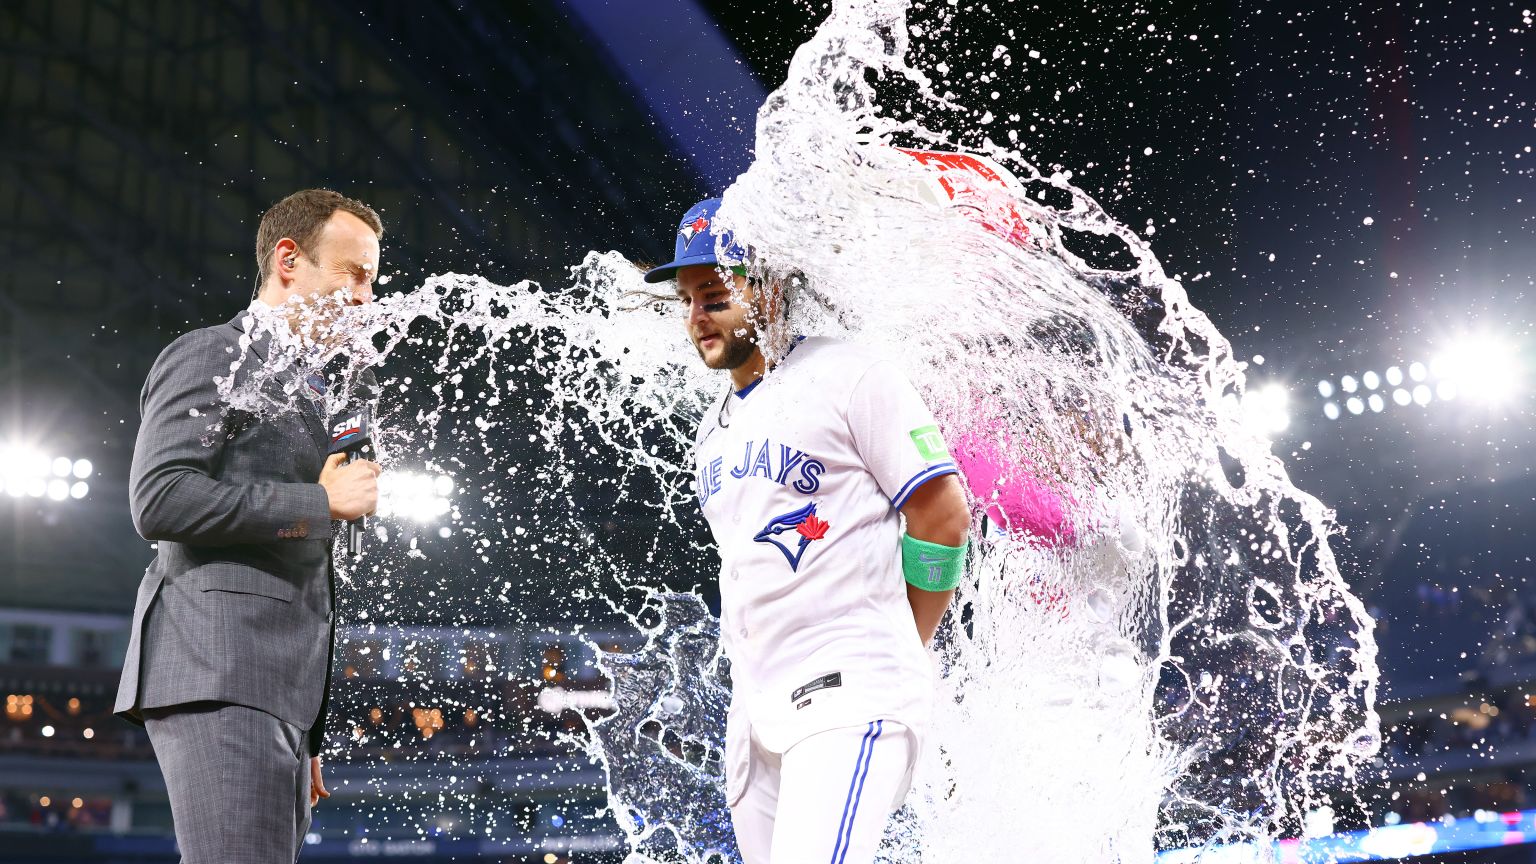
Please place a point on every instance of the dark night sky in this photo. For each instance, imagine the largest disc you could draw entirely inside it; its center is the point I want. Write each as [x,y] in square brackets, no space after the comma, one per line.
[1275,129]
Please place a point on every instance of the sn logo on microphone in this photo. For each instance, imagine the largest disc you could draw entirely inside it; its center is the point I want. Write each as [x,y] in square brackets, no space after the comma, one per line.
[346,429]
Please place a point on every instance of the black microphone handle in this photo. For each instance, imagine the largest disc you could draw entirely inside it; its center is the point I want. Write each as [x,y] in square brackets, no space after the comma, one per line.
[356,526]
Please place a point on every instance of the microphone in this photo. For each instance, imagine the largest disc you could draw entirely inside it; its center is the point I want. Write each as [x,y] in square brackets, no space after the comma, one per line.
[353,435]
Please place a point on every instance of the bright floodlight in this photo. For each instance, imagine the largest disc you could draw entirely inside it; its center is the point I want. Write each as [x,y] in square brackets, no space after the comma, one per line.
[79,490]
[1401,396]
[1325,389]
[1267,409]
[1422,395]
[1394,376]
[1377,403]
[1354,405]
[1371,380]
[1416,371]
[28,473]
[1331,411]
[1349,383]
[413,496]
[1487,369]
[24,463]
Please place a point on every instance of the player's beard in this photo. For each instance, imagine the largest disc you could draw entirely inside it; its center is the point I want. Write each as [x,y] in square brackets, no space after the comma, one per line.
[735,350]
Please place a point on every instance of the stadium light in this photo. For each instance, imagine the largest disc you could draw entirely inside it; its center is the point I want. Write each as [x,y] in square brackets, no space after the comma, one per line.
[1267,409]
[1483,368]
[26,472]
[1487,369]
[414,496]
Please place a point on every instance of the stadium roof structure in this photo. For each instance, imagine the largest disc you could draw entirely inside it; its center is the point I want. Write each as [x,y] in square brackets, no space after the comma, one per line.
[142,142]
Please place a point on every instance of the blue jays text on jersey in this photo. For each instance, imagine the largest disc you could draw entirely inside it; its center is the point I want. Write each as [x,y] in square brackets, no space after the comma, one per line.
[780,463]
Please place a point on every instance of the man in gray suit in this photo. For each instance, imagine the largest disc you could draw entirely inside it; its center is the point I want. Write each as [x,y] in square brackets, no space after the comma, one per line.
[230,652]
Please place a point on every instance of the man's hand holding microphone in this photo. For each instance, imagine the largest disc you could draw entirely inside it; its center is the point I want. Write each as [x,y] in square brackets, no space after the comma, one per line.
[352,486]
[351,437]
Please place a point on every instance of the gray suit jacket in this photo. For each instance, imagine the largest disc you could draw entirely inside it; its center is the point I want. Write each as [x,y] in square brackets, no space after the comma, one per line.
[238,604]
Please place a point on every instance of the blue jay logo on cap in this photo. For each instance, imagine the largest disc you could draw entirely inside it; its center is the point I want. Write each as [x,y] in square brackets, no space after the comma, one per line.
[690,230]
[698,226]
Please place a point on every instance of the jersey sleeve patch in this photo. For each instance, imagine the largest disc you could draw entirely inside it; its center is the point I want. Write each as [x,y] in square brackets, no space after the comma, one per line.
[930,443]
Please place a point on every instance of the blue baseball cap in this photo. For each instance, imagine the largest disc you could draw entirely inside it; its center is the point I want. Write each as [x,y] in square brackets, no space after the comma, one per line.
[696,243]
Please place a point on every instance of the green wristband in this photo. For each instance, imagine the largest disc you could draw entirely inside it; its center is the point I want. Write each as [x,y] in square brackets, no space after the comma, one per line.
[931,566]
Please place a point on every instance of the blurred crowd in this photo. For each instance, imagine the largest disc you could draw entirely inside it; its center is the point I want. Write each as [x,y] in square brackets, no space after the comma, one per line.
[1487,621]
[1485,727]
[494,716]
[48,814]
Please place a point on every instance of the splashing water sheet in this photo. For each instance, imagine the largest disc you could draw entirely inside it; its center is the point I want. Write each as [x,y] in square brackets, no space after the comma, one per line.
[1154,648]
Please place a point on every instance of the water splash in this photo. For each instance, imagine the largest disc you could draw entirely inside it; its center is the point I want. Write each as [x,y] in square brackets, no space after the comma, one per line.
[664,745]
[1186,663]
[1193,668]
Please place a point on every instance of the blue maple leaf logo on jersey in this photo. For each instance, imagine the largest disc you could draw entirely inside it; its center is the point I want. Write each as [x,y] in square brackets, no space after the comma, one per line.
[803,525]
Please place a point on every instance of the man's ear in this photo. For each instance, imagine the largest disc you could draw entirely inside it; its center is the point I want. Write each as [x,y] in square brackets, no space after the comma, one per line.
[285,256]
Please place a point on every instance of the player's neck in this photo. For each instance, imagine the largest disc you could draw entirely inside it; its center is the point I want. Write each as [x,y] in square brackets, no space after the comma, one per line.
[750,372]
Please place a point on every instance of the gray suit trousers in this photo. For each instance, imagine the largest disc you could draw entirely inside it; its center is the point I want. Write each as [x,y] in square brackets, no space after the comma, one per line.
[238,779]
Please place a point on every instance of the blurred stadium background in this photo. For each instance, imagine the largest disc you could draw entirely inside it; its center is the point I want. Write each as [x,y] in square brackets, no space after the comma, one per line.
[1347,190]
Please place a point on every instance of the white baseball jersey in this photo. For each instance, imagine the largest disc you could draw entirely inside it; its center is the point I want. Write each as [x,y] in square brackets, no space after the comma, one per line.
[801,479]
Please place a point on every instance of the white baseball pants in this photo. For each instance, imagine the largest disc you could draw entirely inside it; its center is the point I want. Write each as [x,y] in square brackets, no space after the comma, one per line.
[826,799]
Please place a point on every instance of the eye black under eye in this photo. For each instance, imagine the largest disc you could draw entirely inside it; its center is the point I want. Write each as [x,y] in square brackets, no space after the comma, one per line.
[716,307]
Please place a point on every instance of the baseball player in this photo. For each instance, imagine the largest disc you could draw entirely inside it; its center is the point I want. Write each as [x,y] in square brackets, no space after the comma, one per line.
[842,534]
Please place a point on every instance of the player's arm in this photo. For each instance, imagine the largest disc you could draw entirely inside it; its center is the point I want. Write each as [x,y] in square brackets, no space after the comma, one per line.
[936,514]
[899,442]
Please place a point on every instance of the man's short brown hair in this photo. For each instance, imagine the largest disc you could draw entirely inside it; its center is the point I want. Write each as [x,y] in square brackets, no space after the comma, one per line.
[301,217]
